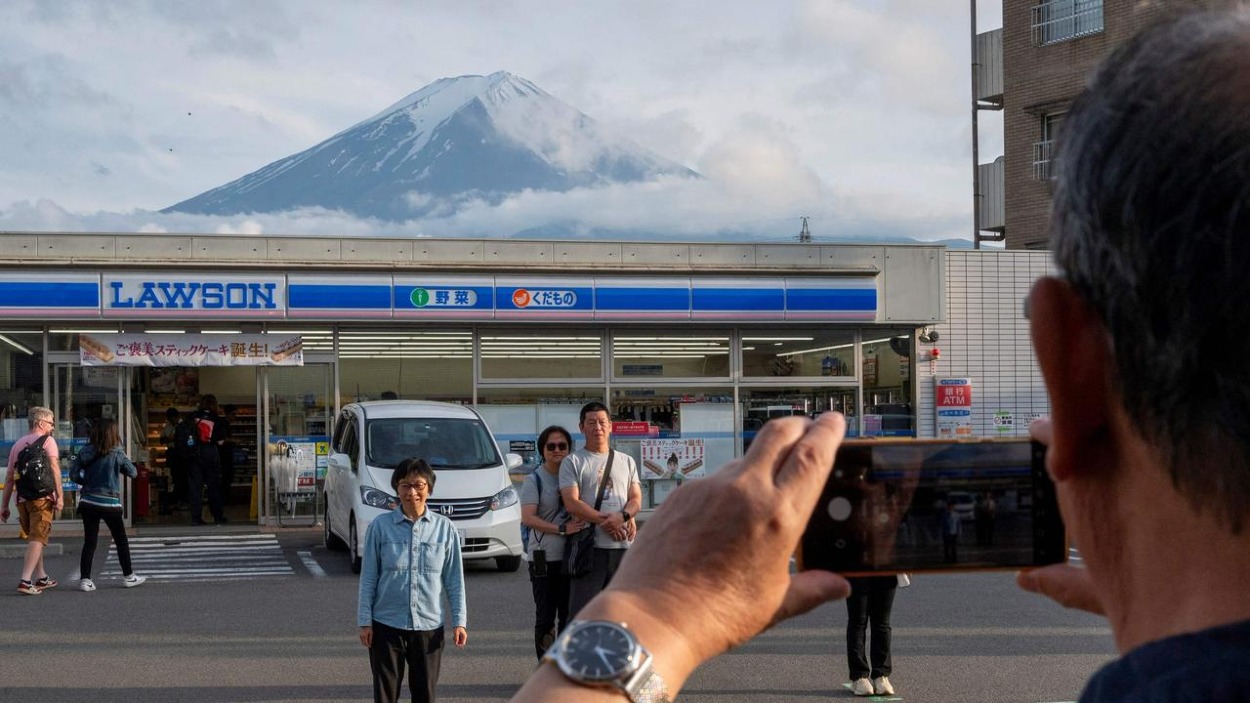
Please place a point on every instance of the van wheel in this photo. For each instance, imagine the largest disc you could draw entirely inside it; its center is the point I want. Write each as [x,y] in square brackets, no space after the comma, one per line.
[353,546]
[508,564]
[332,541]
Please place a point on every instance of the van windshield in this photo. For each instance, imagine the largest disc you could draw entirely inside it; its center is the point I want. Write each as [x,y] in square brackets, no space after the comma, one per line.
[446,443]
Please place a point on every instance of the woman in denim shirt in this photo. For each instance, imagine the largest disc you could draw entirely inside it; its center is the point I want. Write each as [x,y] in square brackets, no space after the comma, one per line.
[99,468]
[411,561]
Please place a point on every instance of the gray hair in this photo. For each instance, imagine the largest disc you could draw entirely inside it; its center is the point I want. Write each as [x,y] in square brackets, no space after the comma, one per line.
[38,413]
[1151,227]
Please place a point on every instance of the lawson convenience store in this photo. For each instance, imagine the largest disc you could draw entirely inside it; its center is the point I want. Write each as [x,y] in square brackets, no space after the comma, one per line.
[690,345]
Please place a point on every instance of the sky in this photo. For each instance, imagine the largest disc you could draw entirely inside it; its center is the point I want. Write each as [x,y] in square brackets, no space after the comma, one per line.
[853,113]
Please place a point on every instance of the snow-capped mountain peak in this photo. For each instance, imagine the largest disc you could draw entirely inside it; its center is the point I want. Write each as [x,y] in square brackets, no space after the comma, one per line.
[480,137]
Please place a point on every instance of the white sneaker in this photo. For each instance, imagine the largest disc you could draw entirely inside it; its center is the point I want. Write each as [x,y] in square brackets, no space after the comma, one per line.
[86,585]
[882,686]
[134,580]
[862,687]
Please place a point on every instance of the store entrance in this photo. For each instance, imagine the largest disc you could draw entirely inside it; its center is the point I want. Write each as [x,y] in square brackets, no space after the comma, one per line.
[169,395]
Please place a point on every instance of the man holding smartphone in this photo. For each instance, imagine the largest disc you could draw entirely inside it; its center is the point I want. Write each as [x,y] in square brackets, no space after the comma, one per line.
[1143,346]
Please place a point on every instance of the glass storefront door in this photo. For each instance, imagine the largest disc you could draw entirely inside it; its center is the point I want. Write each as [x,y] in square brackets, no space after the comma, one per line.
[298,408]
[83,396]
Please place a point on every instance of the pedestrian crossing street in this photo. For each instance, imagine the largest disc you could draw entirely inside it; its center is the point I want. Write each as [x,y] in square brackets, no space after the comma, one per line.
[229,557]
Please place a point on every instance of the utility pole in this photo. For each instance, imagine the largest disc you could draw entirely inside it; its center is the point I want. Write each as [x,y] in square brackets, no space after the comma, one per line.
[805,236]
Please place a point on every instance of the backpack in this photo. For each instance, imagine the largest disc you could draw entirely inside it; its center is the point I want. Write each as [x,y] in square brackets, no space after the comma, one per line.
[525,529]
[78,471]
[32,473]
[185,440]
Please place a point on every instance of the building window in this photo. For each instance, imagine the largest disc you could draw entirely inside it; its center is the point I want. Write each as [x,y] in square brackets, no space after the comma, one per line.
[1043,151]
[1056,21]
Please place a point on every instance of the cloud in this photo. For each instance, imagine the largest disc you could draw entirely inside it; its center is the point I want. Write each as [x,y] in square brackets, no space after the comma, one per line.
[853,112]
[758,205]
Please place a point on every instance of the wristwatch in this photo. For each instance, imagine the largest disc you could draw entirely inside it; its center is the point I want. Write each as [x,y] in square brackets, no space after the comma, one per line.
[625,514]
[605,654]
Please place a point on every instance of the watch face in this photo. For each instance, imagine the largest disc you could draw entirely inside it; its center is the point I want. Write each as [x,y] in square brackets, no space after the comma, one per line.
[597,652]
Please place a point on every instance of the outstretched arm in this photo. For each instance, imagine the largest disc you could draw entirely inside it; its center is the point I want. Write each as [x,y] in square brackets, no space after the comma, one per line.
[733,533]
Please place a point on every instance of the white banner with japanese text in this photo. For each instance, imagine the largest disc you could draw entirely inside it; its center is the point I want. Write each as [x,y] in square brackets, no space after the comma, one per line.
[190,350]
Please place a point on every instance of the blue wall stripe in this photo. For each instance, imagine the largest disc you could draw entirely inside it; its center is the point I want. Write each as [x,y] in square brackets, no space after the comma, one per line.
[20,294]
[339,297]
[831,299]
[649,299]
[762,300]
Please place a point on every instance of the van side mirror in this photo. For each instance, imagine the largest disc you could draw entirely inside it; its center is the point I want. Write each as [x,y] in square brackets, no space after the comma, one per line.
[512,461]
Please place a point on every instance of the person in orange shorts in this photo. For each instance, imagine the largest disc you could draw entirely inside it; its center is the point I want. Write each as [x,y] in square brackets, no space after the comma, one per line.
[35,514]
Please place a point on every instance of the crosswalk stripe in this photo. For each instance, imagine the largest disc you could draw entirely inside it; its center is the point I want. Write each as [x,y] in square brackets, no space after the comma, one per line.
[204,558]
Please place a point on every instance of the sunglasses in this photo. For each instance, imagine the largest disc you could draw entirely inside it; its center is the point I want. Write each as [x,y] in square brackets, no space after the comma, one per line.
[557,446]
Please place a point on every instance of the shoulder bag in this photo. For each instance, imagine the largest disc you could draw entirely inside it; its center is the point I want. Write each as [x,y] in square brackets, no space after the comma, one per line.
[579,548]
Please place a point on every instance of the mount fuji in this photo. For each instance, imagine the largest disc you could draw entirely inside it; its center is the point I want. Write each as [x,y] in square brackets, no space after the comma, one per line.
[455,141]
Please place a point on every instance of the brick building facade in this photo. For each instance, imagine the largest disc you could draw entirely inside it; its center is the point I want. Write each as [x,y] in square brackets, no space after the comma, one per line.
[1049,48]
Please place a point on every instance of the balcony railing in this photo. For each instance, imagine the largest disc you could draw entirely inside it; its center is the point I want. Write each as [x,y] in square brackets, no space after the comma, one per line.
[1042,160]
[1060,20]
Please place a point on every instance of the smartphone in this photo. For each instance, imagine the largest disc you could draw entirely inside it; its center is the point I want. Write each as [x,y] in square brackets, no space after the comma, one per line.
[893,506]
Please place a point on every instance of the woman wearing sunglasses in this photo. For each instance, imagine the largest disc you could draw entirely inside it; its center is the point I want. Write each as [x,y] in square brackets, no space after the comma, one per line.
[542,511]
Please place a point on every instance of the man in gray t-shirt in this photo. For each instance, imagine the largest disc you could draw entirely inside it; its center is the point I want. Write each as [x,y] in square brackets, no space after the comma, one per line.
[580,474]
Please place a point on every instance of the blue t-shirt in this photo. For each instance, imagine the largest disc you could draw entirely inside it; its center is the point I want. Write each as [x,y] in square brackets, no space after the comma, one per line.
[1211,666]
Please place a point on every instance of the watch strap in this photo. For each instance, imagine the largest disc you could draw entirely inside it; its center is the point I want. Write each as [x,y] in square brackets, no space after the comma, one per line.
[646,686]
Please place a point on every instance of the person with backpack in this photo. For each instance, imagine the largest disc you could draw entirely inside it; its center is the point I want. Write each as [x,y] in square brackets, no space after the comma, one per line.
[200,436]
[35,473]
[98,469]
[546,522]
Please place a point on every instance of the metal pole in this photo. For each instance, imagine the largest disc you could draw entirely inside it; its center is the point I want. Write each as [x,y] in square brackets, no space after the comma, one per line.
[976,157]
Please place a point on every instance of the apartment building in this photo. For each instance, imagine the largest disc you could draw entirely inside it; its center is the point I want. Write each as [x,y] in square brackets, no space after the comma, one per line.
[1032,69]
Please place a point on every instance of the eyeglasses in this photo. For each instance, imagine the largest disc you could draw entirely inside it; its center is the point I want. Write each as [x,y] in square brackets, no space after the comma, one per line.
[599,423]
[557,446]
[50,423]
[413,487]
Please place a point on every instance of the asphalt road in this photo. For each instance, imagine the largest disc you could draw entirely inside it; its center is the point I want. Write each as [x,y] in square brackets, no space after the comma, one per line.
[275,621]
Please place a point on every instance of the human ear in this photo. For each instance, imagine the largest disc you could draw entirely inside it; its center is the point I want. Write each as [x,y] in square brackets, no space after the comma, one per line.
[1073,352]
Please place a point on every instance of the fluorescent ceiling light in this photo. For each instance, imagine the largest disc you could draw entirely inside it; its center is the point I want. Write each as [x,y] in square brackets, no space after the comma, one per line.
[17,345]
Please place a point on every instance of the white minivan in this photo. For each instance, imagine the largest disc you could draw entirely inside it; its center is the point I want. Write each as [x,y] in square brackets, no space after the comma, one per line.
[472,485]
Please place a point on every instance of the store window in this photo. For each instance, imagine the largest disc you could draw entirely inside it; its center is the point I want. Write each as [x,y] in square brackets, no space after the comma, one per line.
[674,434]
[760,405]
[663,354]
[21,378]
[553,353]
[418,365]
[798,353]
[889,405]
[516,415]
[21,383]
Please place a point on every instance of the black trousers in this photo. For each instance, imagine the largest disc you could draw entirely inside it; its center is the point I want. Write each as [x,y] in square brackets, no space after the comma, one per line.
[420,651]
[91,516]
[584,588]
[551,603]
[870,603]
[201,479]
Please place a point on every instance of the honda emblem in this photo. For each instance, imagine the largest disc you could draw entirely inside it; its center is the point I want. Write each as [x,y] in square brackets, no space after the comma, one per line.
[446,509]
